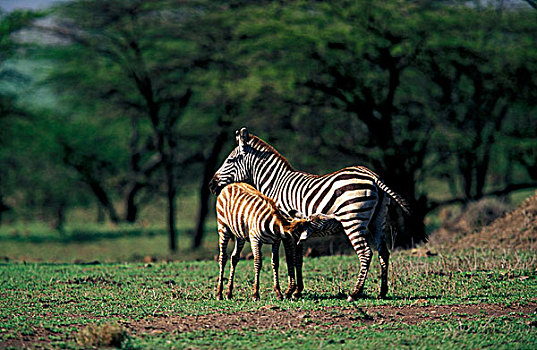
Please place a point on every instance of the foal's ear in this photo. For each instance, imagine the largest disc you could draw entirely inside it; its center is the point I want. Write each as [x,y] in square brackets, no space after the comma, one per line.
[242,137]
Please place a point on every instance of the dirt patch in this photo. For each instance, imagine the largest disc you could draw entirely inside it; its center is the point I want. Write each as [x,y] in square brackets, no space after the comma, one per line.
[516,229]
[273,317]
[270,317]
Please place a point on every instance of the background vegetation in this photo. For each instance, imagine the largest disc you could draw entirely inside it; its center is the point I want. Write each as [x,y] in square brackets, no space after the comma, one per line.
[120,111]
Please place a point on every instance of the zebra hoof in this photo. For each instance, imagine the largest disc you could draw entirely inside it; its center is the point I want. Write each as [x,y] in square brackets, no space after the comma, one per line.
[289,292]
[279,295]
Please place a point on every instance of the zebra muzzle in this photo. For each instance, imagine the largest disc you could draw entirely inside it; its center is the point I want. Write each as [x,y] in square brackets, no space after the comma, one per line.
[304,236]
[213,186]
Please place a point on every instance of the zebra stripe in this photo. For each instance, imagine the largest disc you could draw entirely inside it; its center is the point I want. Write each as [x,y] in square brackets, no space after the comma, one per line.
[246,214]
[354,196]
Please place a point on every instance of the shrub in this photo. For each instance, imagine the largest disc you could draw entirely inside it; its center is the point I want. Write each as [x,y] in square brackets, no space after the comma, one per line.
[98,335]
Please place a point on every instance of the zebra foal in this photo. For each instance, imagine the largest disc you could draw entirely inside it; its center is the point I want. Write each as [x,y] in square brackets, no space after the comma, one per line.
[354,196]
[247,215]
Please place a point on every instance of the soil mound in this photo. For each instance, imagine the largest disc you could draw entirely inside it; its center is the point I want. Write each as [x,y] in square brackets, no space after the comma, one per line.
[516,229]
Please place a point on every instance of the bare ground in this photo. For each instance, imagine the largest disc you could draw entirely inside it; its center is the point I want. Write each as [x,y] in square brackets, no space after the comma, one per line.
[516,229]
[273,317]
[270,317]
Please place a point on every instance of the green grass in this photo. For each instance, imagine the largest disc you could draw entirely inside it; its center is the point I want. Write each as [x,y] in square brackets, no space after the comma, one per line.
[56,286]
[100,242]
[498,334]
[62,298]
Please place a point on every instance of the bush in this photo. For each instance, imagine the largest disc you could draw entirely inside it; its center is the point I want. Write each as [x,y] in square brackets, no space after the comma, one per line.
[481,213]
[99,335]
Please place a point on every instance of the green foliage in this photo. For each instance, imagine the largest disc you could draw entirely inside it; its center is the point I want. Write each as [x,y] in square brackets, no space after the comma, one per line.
[438,98]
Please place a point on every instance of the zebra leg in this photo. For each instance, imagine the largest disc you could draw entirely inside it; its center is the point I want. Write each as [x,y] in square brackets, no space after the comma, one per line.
[275,266]
[362,249]
[384,259]
[235,257]
[222,258]
[256,250]
[299,255]
[288,245]
[377,226]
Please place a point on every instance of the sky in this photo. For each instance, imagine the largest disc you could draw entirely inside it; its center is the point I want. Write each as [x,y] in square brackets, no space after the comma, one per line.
[10,5]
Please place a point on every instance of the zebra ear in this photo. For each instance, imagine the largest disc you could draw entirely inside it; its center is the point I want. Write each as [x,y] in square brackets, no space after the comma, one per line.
[237,138]
[242,136]
[306,232]
[296,214]
[321,216]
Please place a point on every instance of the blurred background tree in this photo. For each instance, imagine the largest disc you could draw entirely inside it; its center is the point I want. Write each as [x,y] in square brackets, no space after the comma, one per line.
[438,98]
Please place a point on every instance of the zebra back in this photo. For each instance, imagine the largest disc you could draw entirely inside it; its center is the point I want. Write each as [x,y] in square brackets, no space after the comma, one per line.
[246,211]
[403,203]
[259,145]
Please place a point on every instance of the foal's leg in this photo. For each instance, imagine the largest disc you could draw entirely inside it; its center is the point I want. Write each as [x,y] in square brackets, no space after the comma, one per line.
[235,257]
[256,250]
[223,239]
[288,245]
[275,259]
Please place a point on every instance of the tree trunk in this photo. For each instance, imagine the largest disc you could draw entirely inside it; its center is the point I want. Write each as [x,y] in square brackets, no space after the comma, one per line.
[131,209]
[3,208]
[102,197]
[210,168]
[100,213]
[60,217]
[400,177]
[171,192]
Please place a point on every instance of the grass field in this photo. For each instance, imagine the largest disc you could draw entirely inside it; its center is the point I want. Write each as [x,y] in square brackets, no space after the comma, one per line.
[117,286]
[471,299]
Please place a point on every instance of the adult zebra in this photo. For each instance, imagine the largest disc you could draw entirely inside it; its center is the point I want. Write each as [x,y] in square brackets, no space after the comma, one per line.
[354,195]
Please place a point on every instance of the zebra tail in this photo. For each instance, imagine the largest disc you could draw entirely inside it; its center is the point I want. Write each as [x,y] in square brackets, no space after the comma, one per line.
[403,203]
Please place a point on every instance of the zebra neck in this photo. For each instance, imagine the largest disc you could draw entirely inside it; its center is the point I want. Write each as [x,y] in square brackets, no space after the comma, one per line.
[268,173]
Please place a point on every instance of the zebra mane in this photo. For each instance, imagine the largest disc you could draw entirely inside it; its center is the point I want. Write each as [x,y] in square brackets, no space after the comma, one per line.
[262,146]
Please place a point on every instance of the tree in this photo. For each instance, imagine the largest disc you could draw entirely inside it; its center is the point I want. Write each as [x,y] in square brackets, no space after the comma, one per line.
[364,72]
[348,57]
[10,111]
[481,75]
[136,62]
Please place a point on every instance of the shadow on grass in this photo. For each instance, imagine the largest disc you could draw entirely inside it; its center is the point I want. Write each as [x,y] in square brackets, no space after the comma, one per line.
[323,296]
[343,296]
